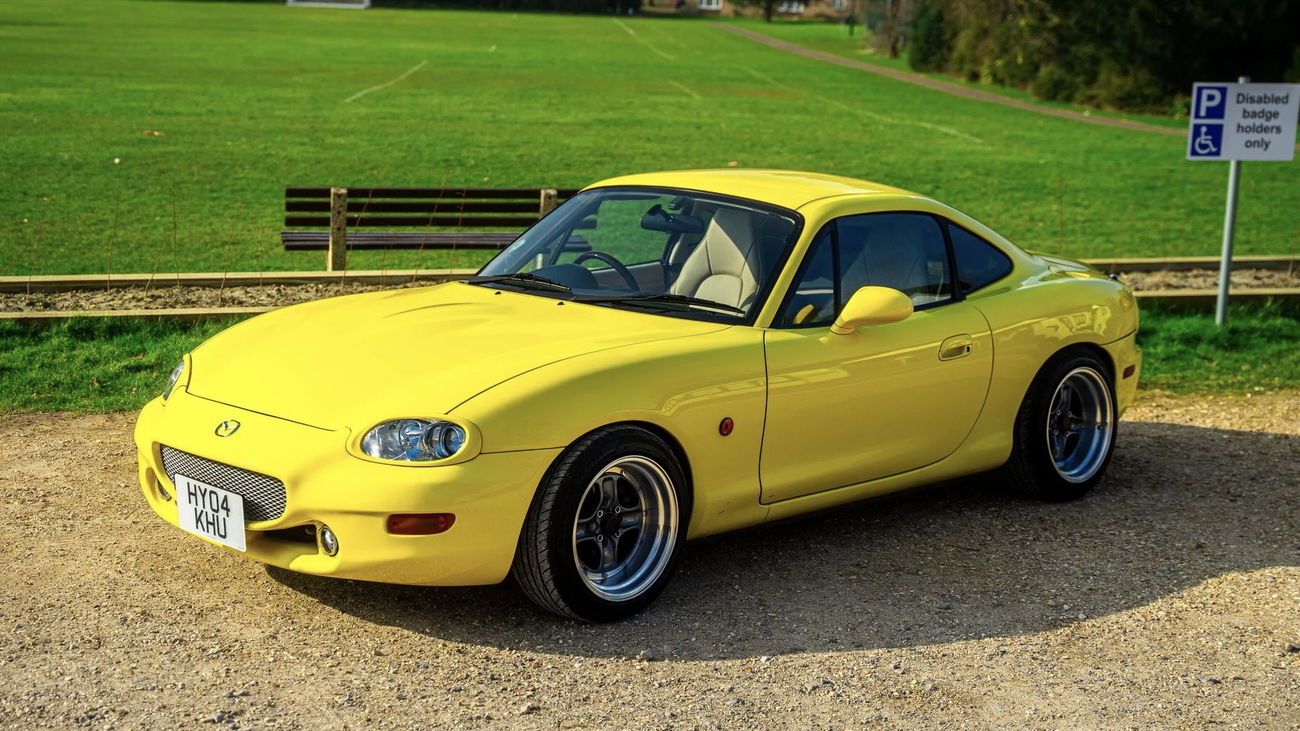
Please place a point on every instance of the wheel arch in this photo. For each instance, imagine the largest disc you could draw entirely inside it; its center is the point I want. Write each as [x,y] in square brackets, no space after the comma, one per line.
[1065,352]
[1102,354]
[674,444]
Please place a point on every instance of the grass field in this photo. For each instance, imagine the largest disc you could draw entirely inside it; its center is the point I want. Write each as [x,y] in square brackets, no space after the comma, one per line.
[250,97]
[93,364]
[1186,352]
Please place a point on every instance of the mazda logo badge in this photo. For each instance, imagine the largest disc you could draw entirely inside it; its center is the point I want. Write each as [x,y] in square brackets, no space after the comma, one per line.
[227,427]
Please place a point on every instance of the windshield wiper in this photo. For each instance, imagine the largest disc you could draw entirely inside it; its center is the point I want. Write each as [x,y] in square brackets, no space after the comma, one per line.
[523,278]
[661,299]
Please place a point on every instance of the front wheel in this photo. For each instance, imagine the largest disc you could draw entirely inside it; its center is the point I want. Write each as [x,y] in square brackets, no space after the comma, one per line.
[604,532]
[1065,430]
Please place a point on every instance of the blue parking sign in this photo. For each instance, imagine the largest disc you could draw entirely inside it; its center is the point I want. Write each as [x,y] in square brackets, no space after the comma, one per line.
[1210,102]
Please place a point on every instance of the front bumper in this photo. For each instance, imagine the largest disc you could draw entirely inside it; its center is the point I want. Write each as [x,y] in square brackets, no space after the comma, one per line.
[325,485]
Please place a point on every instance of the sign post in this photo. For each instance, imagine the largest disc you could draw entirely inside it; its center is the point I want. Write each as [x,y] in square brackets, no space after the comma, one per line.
[1236,122]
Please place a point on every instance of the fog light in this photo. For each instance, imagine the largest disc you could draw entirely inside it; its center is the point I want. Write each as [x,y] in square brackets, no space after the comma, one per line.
[420,524]
[328,541]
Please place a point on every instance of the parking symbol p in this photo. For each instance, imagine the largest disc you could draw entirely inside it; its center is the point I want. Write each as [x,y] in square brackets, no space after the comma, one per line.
[1210,102]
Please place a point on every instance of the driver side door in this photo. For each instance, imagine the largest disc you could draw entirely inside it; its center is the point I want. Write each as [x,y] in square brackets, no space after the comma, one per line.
[885,399]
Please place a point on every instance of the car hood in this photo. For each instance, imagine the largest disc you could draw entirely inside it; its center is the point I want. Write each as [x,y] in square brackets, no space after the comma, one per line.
[354,361]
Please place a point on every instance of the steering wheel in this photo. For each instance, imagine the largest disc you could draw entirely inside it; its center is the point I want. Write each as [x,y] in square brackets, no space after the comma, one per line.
[614,264]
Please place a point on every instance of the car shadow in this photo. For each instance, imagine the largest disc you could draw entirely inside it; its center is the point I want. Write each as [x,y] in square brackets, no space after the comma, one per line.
[964,560]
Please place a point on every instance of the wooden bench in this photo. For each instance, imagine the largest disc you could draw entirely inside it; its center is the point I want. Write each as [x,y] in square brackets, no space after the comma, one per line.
[337,210]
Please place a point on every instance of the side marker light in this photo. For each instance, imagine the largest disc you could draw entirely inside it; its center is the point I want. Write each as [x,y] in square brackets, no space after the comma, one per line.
[726,427]
[1128,372]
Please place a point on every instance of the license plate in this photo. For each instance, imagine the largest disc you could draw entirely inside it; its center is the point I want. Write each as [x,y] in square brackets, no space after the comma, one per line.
[210,512]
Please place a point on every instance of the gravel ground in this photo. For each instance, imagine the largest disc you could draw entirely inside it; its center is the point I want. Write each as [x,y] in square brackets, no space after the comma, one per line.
[1168,598]
[1207,279]
[139,298]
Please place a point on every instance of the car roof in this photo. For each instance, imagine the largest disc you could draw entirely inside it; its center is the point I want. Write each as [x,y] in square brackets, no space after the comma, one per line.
[786,188]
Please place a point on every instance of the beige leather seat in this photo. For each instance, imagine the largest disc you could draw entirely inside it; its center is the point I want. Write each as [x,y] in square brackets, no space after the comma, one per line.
[893,255]
[722,266]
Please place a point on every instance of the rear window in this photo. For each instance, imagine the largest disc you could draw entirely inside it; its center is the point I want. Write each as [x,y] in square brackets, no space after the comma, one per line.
[979,263]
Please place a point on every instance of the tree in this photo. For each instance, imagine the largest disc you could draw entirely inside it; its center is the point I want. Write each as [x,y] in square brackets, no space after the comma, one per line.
[929,48]
[1125,54]
[890,22]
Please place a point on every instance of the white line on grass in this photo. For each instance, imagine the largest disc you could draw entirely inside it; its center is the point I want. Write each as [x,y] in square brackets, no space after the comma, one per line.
[863,112]
[684,88]
[641,40]
[386,84]
[658,31]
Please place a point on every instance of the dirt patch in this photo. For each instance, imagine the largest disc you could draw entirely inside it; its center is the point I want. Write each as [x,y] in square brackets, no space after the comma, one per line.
[1170,597]
[141,298]
[1209,279]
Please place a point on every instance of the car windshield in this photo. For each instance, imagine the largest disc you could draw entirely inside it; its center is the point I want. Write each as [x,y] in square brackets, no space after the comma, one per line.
[667,251]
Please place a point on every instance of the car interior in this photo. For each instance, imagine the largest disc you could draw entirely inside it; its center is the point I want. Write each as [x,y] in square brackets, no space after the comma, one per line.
[688,246]
[646,243]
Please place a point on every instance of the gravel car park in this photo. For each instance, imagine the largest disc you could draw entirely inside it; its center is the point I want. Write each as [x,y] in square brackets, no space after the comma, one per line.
[1169,597]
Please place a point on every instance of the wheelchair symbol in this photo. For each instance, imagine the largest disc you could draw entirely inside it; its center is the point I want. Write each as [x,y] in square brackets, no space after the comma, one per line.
[1206,141]
[1204,145]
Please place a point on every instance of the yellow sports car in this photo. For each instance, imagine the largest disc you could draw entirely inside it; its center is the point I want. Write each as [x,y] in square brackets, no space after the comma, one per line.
[663,357]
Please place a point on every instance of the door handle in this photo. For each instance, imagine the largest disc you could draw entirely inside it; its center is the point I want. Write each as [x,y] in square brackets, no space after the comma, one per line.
[957,346]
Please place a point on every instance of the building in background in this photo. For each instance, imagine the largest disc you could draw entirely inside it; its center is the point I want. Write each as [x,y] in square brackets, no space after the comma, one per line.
[790,9]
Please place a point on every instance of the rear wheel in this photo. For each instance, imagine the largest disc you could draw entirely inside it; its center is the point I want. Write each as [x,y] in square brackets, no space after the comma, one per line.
[1065,430]
[604,532]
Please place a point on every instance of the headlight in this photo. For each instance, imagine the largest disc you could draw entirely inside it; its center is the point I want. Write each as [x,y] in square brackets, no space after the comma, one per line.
[413,440]
[172,379]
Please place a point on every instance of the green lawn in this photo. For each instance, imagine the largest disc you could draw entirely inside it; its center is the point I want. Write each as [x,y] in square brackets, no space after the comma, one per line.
[250,97]
[93,364]
[1187,353]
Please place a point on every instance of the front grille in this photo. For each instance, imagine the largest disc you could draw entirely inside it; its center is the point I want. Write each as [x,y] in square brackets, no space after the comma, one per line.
[263,495]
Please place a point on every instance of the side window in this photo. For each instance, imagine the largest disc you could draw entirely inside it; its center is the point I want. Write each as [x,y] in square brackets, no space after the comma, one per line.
[905,251]
[813,300]
[978,262]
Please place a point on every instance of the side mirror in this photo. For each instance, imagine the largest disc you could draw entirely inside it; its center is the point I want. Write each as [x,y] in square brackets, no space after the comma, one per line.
[872,306]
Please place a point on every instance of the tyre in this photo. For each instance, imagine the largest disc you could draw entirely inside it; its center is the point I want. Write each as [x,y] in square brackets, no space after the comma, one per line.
[1065,429]
[605,530]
